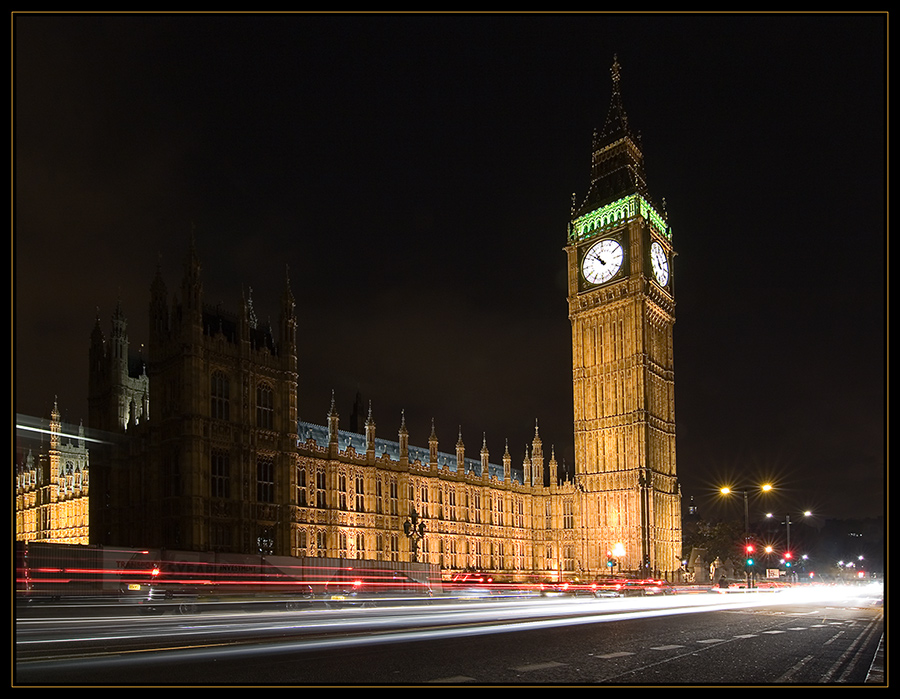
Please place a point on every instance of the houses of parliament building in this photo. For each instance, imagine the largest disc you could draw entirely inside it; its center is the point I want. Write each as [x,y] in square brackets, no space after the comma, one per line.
[207,451]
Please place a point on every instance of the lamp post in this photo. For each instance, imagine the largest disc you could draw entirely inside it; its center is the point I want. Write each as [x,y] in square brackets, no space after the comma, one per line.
[727,490]
[788,554]
[414,528]
[618,551]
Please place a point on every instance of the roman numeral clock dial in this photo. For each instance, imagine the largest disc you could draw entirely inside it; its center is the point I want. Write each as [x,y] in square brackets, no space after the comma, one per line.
[603,261]
[660,263]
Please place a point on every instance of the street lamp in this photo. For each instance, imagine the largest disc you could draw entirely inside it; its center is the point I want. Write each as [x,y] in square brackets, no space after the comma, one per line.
[726,490]
[414,528]
[618,553]
[788,554]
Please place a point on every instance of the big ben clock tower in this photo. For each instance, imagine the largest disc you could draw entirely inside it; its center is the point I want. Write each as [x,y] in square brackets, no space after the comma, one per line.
[622,308]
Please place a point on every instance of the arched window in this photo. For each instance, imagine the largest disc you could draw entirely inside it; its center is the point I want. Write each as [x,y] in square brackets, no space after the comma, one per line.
[219,475]
[265,407]
[301,486]
[265,479]
[218,396]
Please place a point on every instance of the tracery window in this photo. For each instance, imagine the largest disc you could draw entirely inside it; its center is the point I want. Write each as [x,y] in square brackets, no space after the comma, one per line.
[342,492]
[360,494]
[219,476]
[301,486]
[265,479]
[265,407]
[219,408]
[320,488]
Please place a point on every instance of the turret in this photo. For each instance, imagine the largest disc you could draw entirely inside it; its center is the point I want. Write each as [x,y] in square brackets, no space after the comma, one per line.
[191,286]
[333,420]
[287,340]
[537,457]
[159,313]
[403,434]
[507,464]
[433,448]
[370,436]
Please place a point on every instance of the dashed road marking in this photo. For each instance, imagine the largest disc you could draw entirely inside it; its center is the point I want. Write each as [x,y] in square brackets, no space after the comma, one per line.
[620,654]
[538,666]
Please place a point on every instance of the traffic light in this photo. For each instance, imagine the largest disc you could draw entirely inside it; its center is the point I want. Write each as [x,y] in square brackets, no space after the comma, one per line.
[787,559]
[749,551]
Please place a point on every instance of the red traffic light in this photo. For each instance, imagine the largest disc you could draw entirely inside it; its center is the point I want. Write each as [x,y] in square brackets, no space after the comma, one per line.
[788,554]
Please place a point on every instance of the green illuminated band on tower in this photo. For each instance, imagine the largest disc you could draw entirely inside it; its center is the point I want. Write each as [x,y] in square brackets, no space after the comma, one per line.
[596,221]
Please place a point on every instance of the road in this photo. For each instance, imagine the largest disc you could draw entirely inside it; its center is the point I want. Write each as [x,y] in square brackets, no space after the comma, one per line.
[802,636]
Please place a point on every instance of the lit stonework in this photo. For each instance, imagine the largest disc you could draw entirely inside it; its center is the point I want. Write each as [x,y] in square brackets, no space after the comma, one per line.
[621,305]
[354,492]
[52,487]
[207,451]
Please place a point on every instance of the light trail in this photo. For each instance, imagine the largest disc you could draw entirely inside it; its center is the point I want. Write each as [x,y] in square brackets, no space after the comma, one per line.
[361,627]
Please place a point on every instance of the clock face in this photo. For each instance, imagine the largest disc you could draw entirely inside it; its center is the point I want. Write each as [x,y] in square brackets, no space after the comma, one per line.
[659,263]
[603,261]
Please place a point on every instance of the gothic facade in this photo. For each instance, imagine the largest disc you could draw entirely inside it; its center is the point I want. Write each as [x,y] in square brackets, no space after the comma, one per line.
[621,304]
[53,485]
[217,460]
[212,456]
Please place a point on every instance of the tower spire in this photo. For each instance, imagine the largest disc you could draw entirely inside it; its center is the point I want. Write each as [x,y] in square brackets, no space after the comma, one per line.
[616,125]
[617,163]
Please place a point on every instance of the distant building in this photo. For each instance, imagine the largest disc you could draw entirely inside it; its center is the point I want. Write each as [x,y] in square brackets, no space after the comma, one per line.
[52,486]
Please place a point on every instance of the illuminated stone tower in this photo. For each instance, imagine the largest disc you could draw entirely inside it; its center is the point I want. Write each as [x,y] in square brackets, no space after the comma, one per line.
[621,304]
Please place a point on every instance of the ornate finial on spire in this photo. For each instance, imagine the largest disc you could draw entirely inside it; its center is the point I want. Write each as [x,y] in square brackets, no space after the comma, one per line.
[616,72]
[251,314]
[369,420]
[403,422]
[332,410]
[433,434]
[288,295]
[616,124]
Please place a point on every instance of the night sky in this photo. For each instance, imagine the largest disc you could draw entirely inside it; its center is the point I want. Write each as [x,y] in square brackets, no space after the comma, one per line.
[415,174]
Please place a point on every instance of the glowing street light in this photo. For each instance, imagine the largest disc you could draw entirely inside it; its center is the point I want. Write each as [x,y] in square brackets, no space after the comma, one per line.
[787,524]
[727,490]
[615,555]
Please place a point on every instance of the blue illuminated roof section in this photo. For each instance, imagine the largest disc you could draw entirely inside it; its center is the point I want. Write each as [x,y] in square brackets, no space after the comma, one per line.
[386,448]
